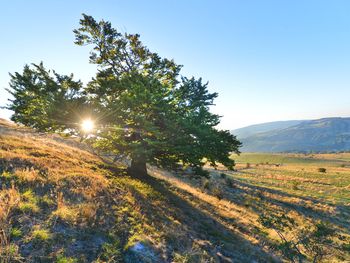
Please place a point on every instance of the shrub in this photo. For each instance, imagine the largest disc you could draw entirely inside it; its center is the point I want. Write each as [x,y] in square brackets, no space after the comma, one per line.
[295,185]
[217,191]
[41,235]
[229,182]
[346,247]
[322,170]
[7,175]
[29,195]
[223,175]
[15,233]
[200,171]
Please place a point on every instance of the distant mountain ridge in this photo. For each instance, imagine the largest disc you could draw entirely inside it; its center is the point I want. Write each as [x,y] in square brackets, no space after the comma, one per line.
[322,135]
[264,127]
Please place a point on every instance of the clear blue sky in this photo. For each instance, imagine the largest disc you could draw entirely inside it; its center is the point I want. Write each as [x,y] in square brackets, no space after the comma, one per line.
[268,60]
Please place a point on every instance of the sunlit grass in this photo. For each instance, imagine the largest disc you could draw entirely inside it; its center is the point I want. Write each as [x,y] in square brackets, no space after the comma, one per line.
[72,198]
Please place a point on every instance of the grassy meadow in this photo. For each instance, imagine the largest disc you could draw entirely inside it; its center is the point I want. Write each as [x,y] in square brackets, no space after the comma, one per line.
[298,174]
[310,190]
[59,202]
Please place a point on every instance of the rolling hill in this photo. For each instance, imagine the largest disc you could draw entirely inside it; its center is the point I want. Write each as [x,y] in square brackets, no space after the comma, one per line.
[60,202]
[322,135]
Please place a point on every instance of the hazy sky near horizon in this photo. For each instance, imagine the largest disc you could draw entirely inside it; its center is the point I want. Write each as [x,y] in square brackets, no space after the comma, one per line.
[268,60]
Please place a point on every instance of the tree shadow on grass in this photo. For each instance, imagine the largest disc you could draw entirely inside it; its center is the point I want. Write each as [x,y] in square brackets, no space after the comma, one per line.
[242,190]
[302,207]
[196,226]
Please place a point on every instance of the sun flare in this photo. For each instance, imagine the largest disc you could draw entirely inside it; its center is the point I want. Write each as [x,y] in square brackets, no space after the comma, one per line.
[87,125]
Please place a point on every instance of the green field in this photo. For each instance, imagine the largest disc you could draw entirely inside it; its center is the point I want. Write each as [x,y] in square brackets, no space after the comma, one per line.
[299,174]
[304,159]
[296,185]
[308,189]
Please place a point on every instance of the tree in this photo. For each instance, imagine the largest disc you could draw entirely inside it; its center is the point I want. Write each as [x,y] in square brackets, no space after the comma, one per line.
[44,100]
[146,109]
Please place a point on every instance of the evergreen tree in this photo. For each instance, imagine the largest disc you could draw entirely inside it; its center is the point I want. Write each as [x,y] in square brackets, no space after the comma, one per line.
[44,100]
[146,109]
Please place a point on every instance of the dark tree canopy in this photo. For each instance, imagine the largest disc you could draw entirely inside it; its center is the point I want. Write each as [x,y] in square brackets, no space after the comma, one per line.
[144,107]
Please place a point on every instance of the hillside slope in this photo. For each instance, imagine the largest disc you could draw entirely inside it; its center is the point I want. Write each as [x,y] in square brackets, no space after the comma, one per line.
[61,203]
[328,134]
[255,129]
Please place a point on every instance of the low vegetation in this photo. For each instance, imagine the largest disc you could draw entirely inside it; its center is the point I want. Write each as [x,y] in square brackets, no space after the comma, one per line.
[62,203]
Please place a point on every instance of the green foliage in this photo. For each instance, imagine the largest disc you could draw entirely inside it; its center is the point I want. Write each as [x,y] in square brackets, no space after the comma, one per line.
[275,158]
[7,175]
[27,207]
[198,170]
[41,235]
[44,100]
[15,232]
[111,252]
[30,196]
[63,259]
[148,110]
[29,203]
[346,247]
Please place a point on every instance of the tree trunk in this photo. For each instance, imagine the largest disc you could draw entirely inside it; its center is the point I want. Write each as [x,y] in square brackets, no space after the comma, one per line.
[138,168]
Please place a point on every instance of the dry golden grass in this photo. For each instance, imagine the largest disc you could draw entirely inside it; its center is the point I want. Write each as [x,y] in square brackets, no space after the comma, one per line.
[66,203]
[56,185]
[293,189]
[9,200]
